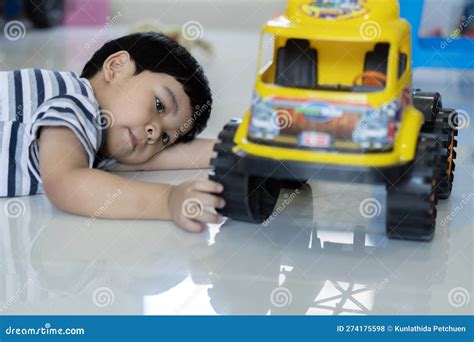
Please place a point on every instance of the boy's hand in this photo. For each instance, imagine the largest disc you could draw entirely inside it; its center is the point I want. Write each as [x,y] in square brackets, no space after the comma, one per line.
[188,202]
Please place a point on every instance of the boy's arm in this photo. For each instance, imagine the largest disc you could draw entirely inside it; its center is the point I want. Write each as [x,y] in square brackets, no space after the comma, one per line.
[193,155]
[71,186]
[74,188]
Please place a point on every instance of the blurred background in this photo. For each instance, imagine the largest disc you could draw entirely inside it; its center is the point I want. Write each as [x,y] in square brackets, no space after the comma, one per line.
[213,14]
[445,27]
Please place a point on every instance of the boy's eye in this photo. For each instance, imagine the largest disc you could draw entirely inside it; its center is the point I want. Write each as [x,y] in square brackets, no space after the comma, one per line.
[165,138]
[159,106]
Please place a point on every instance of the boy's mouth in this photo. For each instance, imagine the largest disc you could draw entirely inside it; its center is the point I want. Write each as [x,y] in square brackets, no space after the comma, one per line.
[133,140]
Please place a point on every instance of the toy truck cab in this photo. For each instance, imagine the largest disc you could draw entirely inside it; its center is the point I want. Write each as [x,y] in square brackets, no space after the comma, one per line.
[334,77]
[333,100]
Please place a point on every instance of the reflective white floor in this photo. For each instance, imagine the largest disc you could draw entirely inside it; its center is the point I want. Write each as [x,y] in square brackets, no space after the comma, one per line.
[317,256]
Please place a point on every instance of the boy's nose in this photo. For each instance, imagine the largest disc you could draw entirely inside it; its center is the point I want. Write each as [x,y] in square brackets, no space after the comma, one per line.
[152,132]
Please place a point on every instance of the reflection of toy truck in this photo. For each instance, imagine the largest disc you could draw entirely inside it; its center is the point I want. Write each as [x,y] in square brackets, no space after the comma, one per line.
[335,91]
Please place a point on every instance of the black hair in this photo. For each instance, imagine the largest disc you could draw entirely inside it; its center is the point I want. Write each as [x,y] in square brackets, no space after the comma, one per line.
[156,52]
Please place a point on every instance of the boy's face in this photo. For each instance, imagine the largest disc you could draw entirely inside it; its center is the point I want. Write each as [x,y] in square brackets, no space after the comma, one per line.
[143,113]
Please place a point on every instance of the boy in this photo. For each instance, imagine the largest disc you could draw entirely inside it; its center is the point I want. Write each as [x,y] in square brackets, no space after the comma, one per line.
[138,105]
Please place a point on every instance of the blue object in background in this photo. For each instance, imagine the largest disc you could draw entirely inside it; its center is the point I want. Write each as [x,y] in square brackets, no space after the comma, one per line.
[443,52]
[12,8]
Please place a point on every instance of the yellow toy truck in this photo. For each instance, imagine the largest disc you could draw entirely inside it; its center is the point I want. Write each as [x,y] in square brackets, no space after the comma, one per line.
[333,100]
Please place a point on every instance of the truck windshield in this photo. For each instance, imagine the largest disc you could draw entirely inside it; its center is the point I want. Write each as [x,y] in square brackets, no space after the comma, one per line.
[326,65]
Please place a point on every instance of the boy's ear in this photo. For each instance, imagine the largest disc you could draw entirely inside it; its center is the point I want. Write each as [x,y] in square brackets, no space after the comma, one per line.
[116,64]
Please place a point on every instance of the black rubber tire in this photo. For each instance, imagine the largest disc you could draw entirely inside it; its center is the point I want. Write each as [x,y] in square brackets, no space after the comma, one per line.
[445,129]
[293,184]
[427,103]
[411,201]
[45,13]
[248,198]
[442,122]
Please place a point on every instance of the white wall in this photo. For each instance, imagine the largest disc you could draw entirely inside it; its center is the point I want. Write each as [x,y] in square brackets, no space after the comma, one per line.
[221,14]
[441,14]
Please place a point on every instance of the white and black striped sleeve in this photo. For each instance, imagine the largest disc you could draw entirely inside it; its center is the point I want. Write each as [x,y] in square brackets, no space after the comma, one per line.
[78,113]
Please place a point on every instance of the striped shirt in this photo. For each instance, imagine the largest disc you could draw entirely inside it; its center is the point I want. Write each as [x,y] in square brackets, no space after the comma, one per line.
[30,99]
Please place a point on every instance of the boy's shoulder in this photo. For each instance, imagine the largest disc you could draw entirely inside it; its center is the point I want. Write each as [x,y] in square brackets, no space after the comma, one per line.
[47,83]
[63,96]
[24,92]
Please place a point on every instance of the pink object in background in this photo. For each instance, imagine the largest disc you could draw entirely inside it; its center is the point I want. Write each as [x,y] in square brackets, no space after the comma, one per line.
[86,13]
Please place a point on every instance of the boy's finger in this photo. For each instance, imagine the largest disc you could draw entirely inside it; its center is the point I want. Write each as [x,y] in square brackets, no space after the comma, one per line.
[208,200]
[192,226]
[206,185]
[208,217]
